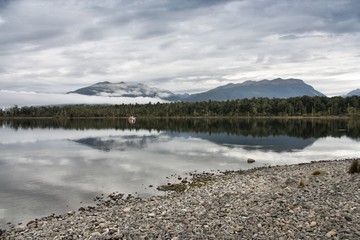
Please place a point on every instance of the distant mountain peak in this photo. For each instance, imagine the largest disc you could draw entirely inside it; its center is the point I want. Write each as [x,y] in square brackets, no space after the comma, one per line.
[99,83]
[248,82]
[279,81]
[123,89]
[355,92]
[289,80]
[276,88]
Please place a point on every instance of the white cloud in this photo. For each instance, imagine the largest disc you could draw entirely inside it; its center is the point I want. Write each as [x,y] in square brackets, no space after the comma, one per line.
[11,98]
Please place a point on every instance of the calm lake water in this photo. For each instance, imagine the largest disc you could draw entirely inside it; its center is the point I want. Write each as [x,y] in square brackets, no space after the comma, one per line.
[53,167]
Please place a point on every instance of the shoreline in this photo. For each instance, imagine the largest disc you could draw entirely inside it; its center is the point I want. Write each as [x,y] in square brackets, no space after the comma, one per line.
[281,202]
[306,117]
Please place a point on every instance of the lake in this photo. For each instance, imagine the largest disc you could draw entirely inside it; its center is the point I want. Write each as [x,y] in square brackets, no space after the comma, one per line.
[57,166]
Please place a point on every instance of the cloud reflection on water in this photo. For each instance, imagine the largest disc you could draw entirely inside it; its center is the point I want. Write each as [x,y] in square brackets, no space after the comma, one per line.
[44,171]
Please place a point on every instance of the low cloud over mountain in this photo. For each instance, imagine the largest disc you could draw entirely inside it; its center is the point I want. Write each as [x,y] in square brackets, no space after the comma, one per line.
[277,88]
[122,89]
[11,98]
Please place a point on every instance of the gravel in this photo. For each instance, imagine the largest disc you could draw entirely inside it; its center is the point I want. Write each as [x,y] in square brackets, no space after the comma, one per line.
[284,202]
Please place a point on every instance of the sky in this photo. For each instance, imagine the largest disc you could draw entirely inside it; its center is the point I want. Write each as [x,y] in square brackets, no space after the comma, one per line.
[183,46]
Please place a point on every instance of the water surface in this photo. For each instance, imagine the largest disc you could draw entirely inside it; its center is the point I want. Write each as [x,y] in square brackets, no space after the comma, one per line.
[56,166]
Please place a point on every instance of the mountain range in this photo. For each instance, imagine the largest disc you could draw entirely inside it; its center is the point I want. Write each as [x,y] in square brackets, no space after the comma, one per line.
[276,88]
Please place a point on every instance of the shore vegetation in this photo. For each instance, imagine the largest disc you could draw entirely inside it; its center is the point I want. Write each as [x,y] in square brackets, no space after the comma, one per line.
[256,107]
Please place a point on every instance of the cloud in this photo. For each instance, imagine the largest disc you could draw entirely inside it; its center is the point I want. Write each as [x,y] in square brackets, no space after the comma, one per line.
[10,98]
[58,46]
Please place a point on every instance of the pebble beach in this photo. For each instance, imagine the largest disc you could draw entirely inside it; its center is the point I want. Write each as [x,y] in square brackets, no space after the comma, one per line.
[318,200]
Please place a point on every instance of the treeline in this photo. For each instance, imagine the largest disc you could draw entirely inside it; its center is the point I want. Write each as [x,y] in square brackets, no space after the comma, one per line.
[308,128]
[299,106]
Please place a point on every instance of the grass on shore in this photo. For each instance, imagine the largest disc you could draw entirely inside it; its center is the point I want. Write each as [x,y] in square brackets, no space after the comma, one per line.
[181,187]
[316,172]
[354,167]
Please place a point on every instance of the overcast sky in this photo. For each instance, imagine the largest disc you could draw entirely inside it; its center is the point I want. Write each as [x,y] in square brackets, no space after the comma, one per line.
[182,46]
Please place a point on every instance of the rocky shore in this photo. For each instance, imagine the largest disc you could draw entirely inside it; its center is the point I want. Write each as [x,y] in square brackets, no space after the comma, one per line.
[319,200]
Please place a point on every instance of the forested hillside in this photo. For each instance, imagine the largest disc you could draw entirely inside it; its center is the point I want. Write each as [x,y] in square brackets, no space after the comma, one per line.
[299,106]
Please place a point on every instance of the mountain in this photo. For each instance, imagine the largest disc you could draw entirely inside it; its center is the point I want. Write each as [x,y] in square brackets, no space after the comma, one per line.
[277,88]
[354,93]
[122,89]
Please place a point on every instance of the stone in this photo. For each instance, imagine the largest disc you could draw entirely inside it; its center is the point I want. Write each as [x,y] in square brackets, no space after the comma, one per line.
[102,225]
[313,224]
[127,209]
[95,234]
[31,222]
[250,160]
[18,230]
[331,234]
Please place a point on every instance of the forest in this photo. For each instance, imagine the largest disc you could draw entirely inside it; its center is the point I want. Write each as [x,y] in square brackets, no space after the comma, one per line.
[257,107]
[305,128]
